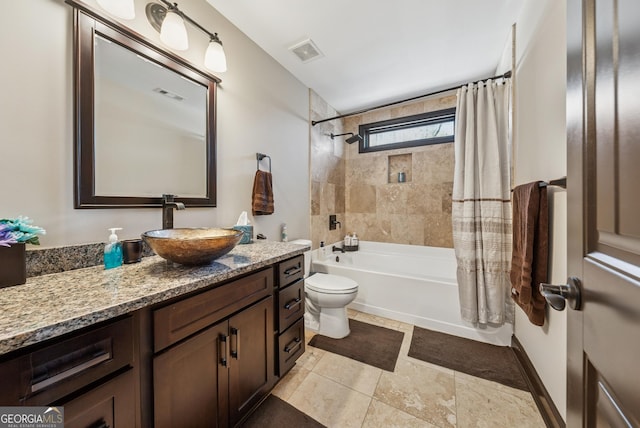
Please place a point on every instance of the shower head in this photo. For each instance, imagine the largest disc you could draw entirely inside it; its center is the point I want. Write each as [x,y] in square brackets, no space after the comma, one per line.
[350,140]
[354,138]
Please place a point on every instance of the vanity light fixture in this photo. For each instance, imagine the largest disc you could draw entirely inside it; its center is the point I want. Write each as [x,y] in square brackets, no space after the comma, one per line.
[169,21]
[173,32]
[123,9]
[214,57]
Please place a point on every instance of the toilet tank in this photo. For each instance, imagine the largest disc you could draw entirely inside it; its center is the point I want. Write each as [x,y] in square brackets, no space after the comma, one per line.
[307,254]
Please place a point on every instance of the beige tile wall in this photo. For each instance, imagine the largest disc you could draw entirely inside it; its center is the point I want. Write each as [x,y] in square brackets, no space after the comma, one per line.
[362,188]
[327,173]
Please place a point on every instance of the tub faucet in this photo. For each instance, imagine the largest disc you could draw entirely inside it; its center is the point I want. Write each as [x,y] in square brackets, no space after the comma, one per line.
[168,204]
[334,249]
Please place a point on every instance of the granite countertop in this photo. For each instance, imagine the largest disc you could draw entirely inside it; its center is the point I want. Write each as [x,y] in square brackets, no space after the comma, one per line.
[51,305]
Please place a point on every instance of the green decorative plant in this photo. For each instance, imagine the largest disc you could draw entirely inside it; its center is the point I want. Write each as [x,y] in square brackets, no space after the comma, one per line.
[21,229]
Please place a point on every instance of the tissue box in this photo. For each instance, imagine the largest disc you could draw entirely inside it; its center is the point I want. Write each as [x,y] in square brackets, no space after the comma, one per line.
[247,234]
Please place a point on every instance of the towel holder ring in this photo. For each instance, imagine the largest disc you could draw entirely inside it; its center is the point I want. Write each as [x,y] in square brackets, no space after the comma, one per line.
[259,157]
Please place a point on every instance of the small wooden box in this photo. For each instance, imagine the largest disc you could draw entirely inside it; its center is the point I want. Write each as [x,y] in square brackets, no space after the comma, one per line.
[13,265]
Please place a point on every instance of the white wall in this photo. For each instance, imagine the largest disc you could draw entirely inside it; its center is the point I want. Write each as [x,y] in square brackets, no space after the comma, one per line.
[261,108]
[540,154]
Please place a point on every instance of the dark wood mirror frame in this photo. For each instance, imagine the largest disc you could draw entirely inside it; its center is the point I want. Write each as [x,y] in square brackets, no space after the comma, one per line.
[88,24]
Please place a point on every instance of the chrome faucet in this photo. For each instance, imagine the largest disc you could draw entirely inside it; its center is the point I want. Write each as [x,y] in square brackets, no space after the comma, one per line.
[168,204]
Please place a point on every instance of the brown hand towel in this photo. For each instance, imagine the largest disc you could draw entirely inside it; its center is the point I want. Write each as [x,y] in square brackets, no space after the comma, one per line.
[529,260]
[262,197]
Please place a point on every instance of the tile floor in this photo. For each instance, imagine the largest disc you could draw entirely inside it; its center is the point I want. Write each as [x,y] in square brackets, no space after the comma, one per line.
[341,392]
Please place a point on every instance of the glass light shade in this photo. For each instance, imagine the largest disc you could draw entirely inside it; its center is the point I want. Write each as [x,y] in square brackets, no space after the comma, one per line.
[214,58]
[123,9]
[173,32]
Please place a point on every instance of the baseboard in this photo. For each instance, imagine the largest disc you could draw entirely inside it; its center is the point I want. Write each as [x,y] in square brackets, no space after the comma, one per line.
[541,396]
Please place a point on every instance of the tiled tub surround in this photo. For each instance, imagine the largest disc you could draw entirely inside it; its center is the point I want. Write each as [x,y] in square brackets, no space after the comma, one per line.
[51,305]
[327,170]
[416,212]
[362,189]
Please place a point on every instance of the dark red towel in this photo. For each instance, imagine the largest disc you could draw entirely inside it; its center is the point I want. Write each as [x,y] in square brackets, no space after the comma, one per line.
[529,260]
[262,197]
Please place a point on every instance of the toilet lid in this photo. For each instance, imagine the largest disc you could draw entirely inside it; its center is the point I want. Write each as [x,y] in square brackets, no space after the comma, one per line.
[330,284]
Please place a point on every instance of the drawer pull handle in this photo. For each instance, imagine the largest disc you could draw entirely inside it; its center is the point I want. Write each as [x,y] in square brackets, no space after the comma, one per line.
[295,343]
[223,358]
[100,424]
[292,303]
[235,332]
[68,373]
[293,270]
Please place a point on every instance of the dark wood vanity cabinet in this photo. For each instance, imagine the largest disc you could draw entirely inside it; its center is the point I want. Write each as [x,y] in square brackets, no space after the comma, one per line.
[90,372]
[218,374]
[251,362]
[204,360]
[290,311]
[190,381]
[110,404]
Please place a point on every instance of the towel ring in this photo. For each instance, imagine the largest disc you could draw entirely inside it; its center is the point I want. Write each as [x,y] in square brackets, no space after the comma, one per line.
[259,157]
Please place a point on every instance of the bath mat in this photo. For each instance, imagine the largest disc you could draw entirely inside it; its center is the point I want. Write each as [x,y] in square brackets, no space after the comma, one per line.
[367,343]
[496,363]
[275,413]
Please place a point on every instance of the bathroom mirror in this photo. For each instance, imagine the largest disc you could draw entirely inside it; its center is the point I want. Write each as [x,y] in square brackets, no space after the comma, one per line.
[145,122]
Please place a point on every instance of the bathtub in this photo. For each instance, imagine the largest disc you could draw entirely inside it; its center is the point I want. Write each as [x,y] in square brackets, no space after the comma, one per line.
[409,283]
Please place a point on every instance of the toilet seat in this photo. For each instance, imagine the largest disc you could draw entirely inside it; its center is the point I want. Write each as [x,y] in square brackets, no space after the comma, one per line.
[331,284]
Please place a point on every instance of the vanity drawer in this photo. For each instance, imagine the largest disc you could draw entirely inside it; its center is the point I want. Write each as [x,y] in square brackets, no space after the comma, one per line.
[111,404]
[181,319]
[290,305]
[290,271]
[290,347]
[47,374]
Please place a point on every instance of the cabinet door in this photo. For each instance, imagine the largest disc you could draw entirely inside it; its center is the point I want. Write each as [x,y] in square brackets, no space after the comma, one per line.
[191,381]
[111,404]
[251,362]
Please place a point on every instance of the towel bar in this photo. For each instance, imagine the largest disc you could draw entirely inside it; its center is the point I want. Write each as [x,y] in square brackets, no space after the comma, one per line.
[560,182]
[259,157]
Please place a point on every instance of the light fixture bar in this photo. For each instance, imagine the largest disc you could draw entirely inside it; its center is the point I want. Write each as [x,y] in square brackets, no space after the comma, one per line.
[176,36]
[174,6]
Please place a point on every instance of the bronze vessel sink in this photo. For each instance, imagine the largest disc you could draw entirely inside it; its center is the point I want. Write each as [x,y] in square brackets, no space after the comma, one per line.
[192,246]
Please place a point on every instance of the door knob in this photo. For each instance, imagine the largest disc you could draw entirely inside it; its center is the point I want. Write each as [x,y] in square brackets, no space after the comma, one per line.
[557,295]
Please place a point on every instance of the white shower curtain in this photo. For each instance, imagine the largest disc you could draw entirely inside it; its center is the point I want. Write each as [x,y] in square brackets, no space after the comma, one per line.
[481,202]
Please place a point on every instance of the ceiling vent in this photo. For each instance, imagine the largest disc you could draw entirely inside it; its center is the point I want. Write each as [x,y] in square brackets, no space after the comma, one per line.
[169,94]
[306,50]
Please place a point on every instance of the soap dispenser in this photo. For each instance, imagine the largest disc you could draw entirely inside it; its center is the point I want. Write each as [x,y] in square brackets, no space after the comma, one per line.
[322,252]
[113,250]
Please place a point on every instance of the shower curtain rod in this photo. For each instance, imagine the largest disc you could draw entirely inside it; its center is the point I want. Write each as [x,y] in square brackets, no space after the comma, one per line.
[501,76]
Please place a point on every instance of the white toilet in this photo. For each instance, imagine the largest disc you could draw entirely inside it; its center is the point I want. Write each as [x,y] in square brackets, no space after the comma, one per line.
[326,300]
